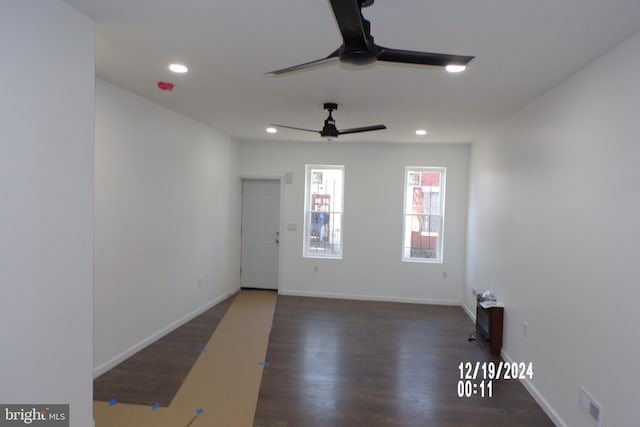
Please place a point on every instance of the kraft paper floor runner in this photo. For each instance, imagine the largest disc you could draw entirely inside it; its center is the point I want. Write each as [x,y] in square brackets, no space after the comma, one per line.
[223,385]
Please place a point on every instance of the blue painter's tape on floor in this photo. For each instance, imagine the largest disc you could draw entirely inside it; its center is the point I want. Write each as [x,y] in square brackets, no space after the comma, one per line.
[202,350]
[265,363]
[155,406]
[113,401]
[199,411]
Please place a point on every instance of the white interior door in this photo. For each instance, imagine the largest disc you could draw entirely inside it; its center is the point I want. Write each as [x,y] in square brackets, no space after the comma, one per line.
[260,233]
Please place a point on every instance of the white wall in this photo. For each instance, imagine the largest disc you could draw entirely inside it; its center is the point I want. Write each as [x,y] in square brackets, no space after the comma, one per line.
[46,205]
[167,221]
[553,229]
[374,183]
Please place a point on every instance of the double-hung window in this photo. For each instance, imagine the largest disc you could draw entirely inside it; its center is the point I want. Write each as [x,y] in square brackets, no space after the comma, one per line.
[323,210]
[423,214]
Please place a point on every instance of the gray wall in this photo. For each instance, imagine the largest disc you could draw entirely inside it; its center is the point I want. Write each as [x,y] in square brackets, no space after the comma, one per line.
[553,229]
[46,206]
[167,222]
[372,229]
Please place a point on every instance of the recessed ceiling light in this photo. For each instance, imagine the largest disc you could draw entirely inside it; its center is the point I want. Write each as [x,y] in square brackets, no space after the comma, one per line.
[455,68]
[271,130]
[421,132]
[178,68]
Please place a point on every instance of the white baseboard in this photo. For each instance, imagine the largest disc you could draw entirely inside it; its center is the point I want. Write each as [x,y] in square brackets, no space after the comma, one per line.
[533,391]
[368,297]
[99,370]
[469,312]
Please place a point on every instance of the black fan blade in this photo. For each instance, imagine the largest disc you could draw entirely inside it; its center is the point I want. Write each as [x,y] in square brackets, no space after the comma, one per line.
[349,19]
[334,55]
[295,128]
[362,129]
[422,58]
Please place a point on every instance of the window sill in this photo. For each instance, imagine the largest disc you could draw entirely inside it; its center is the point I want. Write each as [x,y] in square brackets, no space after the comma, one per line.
[422,261]
[322,256]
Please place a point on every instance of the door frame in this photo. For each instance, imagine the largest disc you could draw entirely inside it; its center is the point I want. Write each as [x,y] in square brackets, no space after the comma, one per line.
[281,181]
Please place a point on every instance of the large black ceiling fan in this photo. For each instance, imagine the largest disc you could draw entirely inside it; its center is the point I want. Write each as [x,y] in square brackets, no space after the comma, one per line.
[329,129]
[358,47]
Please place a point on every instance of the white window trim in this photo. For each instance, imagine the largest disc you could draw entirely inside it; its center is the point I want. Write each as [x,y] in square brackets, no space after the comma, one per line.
[307,209]
[442,190]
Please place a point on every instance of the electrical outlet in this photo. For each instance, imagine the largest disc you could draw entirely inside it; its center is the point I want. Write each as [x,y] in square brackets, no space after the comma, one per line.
[474,291]
[590,407]
[525,327]
[445,274]
[315,268]
[199,283]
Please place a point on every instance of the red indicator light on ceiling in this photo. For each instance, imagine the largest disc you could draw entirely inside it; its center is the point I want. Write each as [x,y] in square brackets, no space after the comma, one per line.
[165,86]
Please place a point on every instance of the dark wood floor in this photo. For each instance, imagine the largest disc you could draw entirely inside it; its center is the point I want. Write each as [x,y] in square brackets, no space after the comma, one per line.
[155,374]
[342,363]
[355,363]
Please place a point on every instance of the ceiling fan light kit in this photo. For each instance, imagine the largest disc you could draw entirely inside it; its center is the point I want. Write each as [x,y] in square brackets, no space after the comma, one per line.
[358,47]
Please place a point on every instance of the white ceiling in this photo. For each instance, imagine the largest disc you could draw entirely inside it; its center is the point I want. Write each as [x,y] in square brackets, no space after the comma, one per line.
[522,49]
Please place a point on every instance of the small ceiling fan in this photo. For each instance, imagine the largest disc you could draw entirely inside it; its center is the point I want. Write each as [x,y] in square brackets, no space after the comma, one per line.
[329,129]
[358,47]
